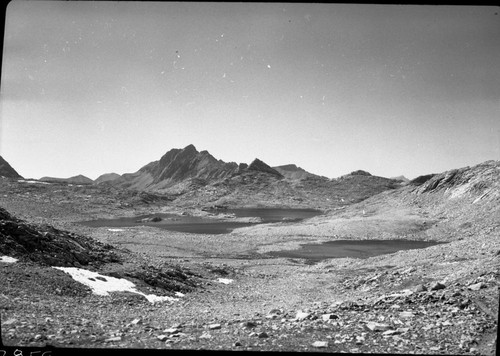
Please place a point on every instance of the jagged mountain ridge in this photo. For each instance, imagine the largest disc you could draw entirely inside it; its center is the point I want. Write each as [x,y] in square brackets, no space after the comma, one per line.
[179,169]
[175,167]
[197,178]
[7,171]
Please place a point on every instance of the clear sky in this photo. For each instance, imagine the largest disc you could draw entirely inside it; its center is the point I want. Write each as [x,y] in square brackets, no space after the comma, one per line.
[98,87]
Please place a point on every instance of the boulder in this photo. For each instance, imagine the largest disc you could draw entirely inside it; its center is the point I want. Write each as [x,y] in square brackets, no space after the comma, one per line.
[373,326]
[477,286]
[419,288]
[436,286]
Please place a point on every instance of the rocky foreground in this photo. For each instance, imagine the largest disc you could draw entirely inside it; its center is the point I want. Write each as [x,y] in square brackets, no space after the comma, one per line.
[429,318]
[234,296]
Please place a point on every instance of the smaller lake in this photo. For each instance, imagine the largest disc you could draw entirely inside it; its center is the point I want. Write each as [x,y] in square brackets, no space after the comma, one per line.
[314,253]
[205,225]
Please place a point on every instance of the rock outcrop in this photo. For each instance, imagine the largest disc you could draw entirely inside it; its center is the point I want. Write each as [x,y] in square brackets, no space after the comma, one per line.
[422,179]
[480,182]
[47,245]
[7,171]
[259,166]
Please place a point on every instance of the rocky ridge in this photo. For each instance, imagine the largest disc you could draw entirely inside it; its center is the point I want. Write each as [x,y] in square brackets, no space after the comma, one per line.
[7,171]
[291,171]
[47,245]
[179,169]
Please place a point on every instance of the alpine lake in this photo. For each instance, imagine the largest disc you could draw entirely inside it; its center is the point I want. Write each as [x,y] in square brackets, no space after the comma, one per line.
[312,253]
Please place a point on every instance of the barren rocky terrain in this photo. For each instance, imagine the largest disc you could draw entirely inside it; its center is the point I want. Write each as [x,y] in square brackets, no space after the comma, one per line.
[233,294]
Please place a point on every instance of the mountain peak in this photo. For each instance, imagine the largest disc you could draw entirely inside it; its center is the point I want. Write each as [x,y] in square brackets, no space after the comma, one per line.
[190,147]
[258,165]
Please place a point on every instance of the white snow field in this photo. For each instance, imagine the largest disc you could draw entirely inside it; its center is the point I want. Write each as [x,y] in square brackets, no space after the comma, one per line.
[103,285]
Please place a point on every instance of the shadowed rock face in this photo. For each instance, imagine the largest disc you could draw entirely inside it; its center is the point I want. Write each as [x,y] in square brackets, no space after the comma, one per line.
[48,245]
[259,166]
[421,179]
[6,170]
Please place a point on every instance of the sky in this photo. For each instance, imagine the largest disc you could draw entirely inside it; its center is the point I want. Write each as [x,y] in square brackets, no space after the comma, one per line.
[98,87]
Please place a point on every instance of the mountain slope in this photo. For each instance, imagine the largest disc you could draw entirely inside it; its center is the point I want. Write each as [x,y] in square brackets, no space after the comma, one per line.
[107,177]
[7,171]
[451,205]
[251,188]
[48,245]
[79,179]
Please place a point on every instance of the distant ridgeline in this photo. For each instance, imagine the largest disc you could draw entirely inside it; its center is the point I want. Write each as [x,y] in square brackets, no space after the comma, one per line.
[200,178]
[79,179]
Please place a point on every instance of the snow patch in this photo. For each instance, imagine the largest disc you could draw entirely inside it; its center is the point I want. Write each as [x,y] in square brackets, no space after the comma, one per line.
[8,259]
[115,230]
[102,285]
[225,280]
